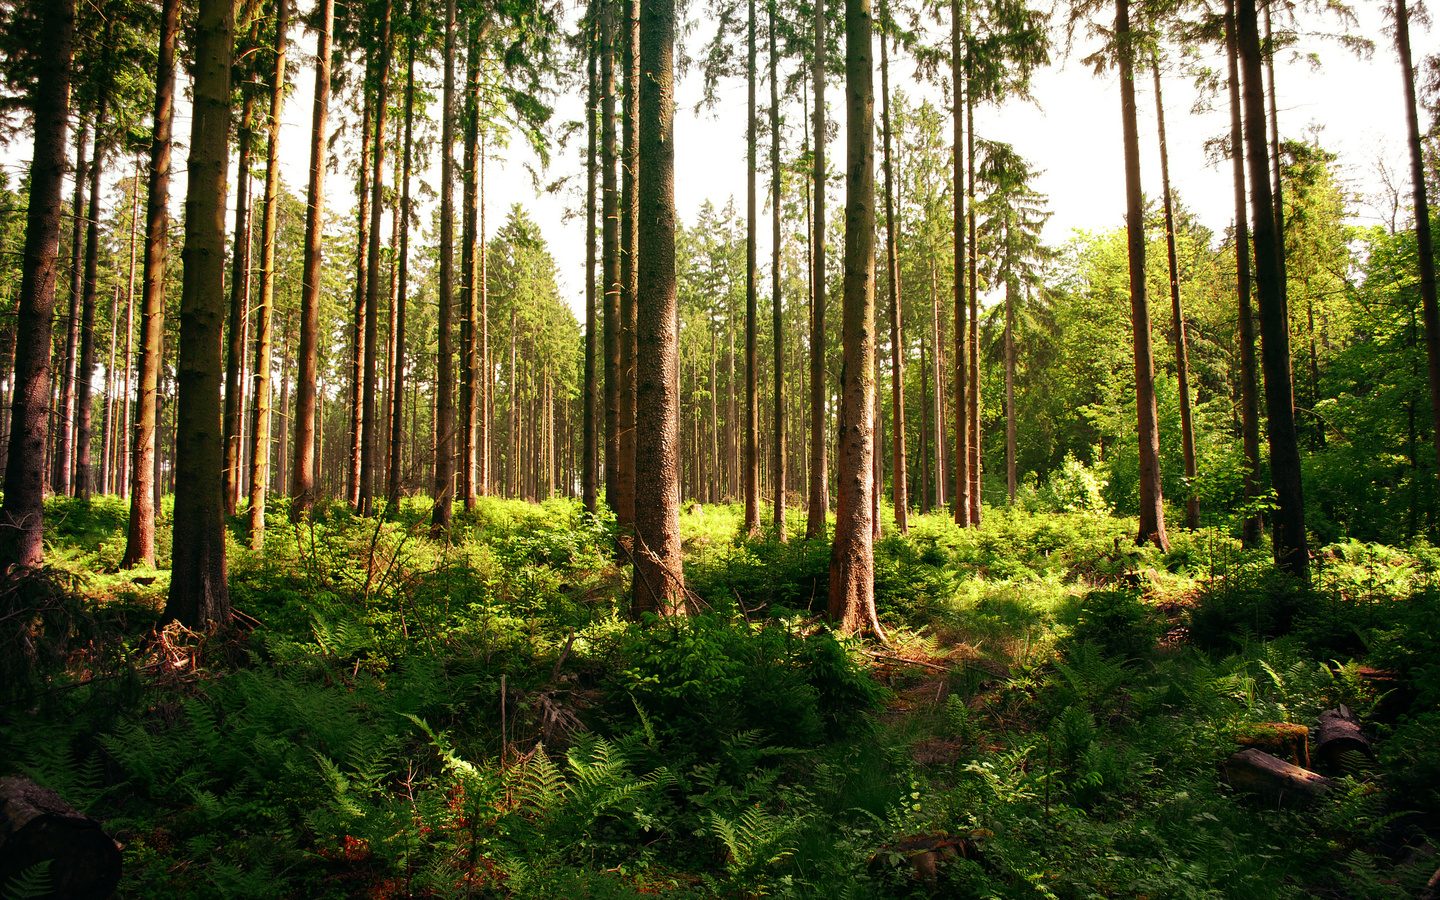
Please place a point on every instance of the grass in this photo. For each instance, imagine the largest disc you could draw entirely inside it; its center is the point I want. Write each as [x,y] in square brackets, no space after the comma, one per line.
[396,717]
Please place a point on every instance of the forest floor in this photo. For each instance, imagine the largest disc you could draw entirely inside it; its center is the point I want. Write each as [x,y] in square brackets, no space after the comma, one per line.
[391,717]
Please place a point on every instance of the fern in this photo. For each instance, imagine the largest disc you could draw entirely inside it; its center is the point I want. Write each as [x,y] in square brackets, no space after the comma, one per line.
[33,882]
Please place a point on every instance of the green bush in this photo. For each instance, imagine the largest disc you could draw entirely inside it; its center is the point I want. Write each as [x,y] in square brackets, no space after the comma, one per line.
[1117,622]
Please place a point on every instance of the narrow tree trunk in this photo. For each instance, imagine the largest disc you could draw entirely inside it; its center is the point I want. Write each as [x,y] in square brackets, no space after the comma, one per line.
[65,441]
[106,420]
[752,276]
[470,206]
[397,365]
[1152,509]
[482,352]
[370,422]
[1182,359]
[122,434]
[629,211]
[779,476]
[924,424]
[362,268]
[1428,307]
[84,411]
[973,402]
[444,372]
[303,471]
[140,537]
[591,452]
[1292,554]
[659,580]
[265,312]
[819,498]
[1010,388]
[852,558]
[610,255]
[239,303]
[199,592]
[897,331]
[959,30]
[937,410]
[23,509]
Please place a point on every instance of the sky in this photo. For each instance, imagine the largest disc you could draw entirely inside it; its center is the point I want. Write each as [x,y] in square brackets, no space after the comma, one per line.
[1070,132]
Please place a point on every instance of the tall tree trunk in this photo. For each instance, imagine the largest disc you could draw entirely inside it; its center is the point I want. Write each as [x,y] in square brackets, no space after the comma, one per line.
[973,402]
[752,276]
[629,212]
[937,410]
[1177,315]
[591,452]
[610,255]
[239,301]
[852,557]
[397,364]
[265,312]
[444,374]
[199,592]
[897,331]
[924,422]
[1292,554]
[819,497]
[23,510]
[470,200]
[959,33]
[482,351]
[1428,306]
[778,478]
[304,468]
[366,504]
[1010,388]
[1249,392]
[659,579]
[122,437]
[140,537]
[64,445]
[1152,508]
[362,268]
[106,421]
[84,411]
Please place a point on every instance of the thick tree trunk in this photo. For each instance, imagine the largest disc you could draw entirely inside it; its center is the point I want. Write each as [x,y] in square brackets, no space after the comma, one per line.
[852,557]
[1429,310]
[610,256]
[1182,358]
[140,537]
[444,487]
[1292,554]
[819,497]
[265,312]
[1152,509]
[397,363]
[629,212]
[23,510]
[239,304]
[303,471]
[1249,391]
[591,451]
[897,330]
[370,422]
[778,476]
[85,375]
[199,592]
[959,28]
[659,579]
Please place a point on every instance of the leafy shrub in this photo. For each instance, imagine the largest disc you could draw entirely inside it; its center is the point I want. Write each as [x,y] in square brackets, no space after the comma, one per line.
[1258,602]
[1117,622]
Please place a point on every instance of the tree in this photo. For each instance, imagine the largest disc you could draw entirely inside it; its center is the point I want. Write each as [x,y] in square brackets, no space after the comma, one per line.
[199,592]
[610,254]
[752,277]
[659,579]
[22,512]
[892,279]
[397,365]
[370,420]
[590,452]
[962,416]
[819,499]
[302,490]
[629,211]
[85,377]
[778,476]
[444,376]
[852,557]
[265,313]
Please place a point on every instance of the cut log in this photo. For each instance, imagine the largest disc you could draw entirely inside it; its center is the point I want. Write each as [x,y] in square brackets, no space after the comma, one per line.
[1258,772]
[1432,887]
[36,826]
[1337,735]
[1286,740]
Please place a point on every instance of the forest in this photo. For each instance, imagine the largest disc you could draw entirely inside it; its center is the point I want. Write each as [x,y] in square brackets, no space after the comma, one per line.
[856,540]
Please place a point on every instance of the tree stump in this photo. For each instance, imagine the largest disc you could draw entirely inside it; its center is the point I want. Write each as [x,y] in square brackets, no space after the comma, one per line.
[1286,740]
[36,826]
[1338,734]
[1258,772]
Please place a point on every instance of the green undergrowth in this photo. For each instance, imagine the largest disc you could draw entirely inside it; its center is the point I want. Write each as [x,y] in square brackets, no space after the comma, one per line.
[398,717]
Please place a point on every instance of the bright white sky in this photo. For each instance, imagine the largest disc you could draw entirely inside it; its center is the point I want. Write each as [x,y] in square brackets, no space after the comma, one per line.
[1071,133]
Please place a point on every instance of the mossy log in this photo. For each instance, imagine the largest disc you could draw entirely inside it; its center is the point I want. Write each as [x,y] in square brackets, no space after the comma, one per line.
[1286,740]
[1337,735]
[37,826]
[1258,772]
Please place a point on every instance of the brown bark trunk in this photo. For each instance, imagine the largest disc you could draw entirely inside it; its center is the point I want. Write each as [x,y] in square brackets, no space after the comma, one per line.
[629,211]
[819,497]
[64,443]
[470,205]
[659,579]
[962,417]
[591,451]
[107,418]
[362,267]
[752,277]
[852,557]
[1010,390]
[199,592]
[397,364]
[1152,509]
[897,330]
[23,509]
[444,486]
[84,410]
[779,475]
[140,537]
[610,256]
[370,422]
[1258,772]
[265,312]
[973,342]
[303,471]
[239,300]
[1292,553]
